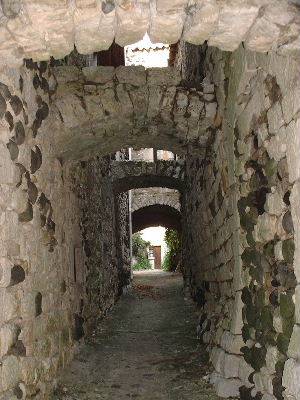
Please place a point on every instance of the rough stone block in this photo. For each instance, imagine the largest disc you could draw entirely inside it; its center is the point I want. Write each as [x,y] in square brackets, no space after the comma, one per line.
[98,74]
[201,21]
[94,29]
[262,36]
[227,387]
[294,346]
[9,309]
[5,272]
[293,144]
[297,304]
[8,336]
[132,22]
[295,199]
[231,366]
[163,76]
[244,372]
[170,6]
[227,35]
[232,343]
[237,318]
[275,118]
[290,378]
[135,76]
[165,28]
[66,74]
[217,359]
[9,372]
[277,145]
[272,357]
[9,173]
[274,203]
[265,229]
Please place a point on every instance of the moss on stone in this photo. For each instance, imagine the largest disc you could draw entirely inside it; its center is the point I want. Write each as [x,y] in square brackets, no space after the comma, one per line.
[270,170]
[282,343]
[250,239]
[287,306]
[251,314]
[254,356]
[267,318]
[246,296]
[269,249]
[260,298]
[246,332]
[287,326]
[288,249]
[256,274]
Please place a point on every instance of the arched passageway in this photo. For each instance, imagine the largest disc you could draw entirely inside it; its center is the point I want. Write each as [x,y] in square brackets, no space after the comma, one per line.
[156,215]
[64,220]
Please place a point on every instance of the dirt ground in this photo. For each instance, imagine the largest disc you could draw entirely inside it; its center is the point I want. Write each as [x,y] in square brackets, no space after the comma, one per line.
[145,349]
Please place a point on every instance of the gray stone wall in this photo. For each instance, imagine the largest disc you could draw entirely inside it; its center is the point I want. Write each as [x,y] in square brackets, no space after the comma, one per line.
[242,248]
[155,195]
[39,29]
[40,240]
[104,226]
[60,269]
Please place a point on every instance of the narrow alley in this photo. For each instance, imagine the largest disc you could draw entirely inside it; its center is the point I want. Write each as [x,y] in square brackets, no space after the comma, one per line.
[146,348]
[149,199]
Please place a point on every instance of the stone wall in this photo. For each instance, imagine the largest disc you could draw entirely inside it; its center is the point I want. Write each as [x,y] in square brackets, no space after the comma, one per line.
[242,249]
[104,226]
[38,29]
[59,267]
[40,241]
[155,195]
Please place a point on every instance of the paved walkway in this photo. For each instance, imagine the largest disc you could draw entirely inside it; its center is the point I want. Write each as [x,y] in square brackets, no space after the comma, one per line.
[145,349]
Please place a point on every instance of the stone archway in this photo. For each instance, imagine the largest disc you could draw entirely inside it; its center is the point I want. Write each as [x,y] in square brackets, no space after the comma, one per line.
[154,195]
[156,215]
[98,110]
[127,175]
[40,30]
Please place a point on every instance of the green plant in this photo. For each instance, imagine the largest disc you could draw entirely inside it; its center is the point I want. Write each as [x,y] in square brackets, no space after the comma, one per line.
[172,256]
[139,251]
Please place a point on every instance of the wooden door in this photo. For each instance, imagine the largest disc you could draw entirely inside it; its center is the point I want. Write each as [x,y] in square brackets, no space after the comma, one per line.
[157,256]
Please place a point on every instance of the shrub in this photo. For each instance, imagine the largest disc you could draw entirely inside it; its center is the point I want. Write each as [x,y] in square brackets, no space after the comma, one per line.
[172,256]
[139,251]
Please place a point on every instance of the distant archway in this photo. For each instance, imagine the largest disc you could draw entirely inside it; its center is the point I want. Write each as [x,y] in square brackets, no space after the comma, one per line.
[156,215]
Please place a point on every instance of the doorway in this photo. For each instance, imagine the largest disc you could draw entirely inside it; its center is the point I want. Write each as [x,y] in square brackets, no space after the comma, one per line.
[157,256]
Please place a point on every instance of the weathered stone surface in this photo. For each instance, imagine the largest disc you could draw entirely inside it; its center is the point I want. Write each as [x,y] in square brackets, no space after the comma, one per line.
[132,22]
[227,387]
[293,143]
[294,348]
[163,76]
[290,378]
[265,229]
[297,303]
[232,343]
[227,35]
[201,21]
[274,203]
[98,74]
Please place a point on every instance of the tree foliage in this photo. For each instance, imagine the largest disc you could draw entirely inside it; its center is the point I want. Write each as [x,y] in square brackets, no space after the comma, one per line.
[139,251]
[172,257]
